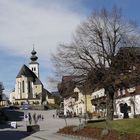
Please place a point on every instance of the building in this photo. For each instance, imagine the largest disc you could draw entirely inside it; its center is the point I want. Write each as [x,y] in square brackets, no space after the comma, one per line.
[77,103]
[69,105]
[99,103]
[82,102]
[126,101]
[28,87]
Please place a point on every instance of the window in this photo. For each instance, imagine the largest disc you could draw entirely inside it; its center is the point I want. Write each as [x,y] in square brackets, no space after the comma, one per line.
[34,69]
[29,86]
[23,86]
[129,109]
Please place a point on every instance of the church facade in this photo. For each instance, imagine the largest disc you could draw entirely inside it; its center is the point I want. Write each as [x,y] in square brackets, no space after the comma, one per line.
[28,87]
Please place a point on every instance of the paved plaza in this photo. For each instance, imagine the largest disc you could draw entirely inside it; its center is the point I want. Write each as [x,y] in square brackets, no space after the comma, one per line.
[48,128]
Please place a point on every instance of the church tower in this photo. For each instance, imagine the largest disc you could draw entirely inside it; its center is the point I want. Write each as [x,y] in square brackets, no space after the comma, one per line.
[34,65]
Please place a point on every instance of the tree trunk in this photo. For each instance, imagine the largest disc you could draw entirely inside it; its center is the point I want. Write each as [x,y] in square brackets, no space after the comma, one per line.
[109,102]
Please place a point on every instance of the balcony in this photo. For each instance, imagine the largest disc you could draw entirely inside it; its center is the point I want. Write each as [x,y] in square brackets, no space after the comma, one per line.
[99,100]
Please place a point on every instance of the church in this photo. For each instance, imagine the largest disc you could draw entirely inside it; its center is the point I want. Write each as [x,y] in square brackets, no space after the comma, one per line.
[28,88]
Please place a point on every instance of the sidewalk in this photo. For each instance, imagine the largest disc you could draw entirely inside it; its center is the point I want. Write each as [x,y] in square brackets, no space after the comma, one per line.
[48,129]
[44,135]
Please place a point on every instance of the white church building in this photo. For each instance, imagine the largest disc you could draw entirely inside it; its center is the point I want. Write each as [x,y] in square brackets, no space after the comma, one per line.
[28,87]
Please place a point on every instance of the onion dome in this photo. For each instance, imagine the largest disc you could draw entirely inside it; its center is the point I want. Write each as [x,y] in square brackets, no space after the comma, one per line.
[33,52]
[33,57]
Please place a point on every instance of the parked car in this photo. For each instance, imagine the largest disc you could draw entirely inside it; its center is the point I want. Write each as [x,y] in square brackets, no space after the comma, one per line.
[13,107]
[25,107]
[60,113]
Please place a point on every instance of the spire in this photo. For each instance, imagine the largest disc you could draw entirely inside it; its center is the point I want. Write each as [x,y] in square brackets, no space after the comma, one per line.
[33,57]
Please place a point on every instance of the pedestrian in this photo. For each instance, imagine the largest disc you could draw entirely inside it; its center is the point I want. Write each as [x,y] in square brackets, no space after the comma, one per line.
[53,116]
[38,117]
[56,113]
[30,118]
[34,118]
[42,117]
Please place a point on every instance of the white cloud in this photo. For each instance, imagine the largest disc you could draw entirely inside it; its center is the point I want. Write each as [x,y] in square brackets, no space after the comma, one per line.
[45,23]
[25,23]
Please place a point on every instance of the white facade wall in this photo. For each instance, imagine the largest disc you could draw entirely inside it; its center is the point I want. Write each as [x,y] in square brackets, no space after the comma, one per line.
[26,88]
[97,94]
[79,107]
[34,68]
[127,100]
[69,105]
[18,88]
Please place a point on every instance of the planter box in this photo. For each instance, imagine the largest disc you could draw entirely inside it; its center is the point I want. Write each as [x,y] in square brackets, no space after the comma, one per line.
[94,121]
[33,128]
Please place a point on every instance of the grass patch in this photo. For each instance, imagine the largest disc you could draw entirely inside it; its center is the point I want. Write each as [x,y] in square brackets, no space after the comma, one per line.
[122,126]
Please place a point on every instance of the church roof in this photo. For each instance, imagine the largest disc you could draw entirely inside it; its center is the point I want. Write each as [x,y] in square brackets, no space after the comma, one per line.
[28,73]
[47,92]
[37,81]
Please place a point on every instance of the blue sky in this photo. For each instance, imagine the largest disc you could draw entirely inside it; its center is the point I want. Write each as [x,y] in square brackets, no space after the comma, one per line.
[45,23]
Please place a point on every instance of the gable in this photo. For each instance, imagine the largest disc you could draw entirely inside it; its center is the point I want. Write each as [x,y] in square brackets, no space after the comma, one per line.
[25,71]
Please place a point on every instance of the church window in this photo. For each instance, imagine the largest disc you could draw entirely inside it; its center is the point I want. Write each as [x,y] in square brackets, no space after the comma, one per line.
[34,69]
[19,87]
[29,86]
[23,87]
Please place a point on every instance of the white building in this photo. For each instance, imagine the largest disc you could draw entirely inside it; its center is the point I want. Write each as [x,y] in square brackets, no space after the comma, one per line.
[69,105]
[28,86]
[125,100]
[77,103]
[79,106]
[128,99]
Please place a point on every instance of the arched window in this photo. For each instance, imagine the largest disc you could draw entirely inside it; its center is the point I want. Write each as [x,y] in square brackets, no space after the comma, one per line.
[23,86]
[29,87]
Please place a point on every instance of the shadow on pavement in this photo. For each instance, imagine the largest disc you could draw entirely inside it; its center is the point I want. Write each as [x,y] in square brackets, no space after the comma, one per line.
[4,125]
[14,135]
[13,115]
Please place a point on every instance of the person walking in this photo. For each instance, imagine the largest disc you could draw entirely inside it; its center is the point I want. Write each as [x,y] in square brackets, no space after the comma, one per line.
[35,118]
[30,118]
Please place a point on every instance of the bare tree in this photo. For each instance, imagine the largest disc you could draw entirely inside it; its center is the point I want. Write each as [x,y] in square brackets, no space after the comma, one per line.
[93,51]
[1,90]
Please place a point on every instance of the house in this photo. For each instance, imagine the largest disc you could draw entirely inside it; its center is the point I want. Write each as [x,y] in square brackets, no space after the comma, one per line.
[68,104]
[99,103]
[65,89]
[128,100]
[77,103]
[28,86]
[82,102]
[50,98]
